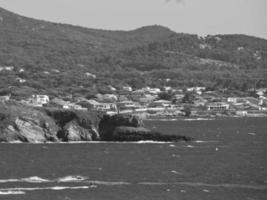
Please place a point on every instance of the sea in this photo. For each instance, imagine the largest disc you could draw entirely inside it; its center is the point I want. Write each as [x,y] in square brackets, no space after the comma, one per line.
[227,160]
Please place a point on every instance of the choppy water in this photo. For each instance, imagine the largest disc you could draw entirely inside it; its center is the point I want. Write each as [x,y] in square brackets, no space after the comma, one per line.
[227,161]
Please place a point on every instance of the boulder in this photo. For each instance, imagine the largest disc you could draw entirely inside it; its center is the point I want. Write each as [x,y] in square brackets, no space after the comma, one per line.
[72,131]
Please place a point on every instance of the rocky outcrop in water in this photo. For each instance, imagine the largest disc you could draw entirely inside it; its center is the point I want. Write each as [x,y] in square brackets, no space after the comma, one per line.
[130,128]
[109,124]
[27,124]
[122,133]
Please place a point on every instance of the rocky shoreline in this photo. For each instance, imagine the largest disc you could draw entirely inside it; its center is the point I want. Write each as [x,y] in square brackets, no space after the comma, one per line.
[39,125]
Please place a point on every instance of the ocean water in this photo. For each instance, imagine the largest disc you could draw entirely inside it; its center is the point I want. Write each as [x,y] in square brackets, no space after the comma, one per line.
[227,160]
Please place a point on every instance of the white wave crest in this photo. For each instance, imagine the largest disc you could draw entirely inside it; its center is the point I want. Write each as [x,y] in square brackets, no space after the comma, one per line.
[202,141]
[68,188]
[34,179]
[150,142]
[11,192]
[109,183]
[190,146]
[114,142]
[72,179]
[199,184]
[198,119]
[15,142]
[96,142]
[163,120]
[9,180]
[21,190]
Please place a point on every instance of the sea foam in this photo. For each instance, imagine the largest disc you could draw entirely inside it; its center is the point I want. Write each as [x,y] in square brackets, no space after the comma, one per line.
[34,179]
[198,119]
[9,180]
[150,142]
[109,183]
[75,178]
[21,190]
[11,192]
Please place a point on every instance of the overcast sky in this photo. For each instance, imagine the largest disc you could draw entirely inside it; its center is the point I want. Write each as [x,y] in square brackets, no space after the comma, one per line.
[189,16]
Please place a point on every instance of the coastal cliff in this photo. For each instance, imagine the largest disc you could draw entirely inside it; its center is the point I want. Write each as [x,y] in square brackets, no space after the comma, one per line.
[75,125]
[21,123]
[38,125]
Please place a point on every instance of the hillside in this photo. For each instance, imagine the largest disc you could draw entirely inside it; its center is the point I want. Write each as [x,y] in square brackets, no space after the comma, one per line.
[60,59]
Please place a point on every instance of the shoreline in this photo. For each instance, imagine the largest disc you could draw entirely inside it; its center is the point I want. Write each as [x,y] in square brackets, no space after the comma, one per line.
[201,118]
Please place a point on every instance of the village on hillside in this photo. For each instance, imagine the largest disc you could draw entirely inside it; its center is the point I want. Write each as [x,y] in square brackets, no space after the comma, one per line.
[150,103]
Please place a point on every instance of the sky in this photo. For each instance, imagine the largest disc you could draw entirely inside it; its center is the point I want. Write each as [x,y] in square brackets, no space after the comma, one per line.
[201,17]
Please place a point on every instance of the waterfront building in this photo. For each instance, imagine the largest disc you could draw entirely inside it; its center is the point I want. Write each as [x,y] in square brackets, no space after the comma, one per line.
[218,106]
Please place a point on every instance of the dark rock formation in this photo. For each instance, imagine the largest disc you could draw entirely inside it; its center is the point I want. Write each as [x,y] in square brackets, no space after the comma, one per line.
[129,128]
[122,133]
[108,124]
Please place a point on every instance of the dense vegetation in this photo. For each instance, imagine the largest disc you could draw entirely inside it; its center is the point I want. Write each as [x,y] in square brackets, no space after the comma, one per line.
[61,59]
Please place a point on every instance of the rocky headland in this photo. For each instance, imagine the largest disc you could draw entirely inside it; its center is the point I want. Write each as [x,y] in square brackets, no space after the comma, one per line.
[38,125]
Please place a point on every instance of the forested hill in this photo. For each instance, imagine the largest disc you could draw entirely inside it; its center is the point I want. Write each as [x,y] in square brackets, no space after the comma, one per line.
[59,59]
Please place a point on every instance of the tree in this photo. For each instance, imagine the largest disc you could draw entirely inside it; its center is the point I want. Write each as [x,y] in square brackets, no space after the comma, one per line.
[166,95]
[91,94]
[188,98]
[187,111]
[253,94]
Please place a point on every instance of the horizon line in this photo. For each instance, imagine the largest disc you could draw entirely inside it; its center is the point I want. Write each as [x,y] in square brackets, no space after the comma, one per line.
[127,30]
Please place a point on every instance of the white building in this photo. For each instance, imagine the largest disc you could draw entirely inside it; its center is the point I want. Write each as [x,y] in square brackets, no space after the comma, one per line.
[110,97]
[5,98]
[218,106]
[112,88]
[40,99]
[88,74]
[20,80]
[241,113]
[152,90]
[127,104]
[232,99]
[106,106]
[127,88]
[102,106]
[198,90]
[37,100]
[160,103]
[261,91]
[7,68]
